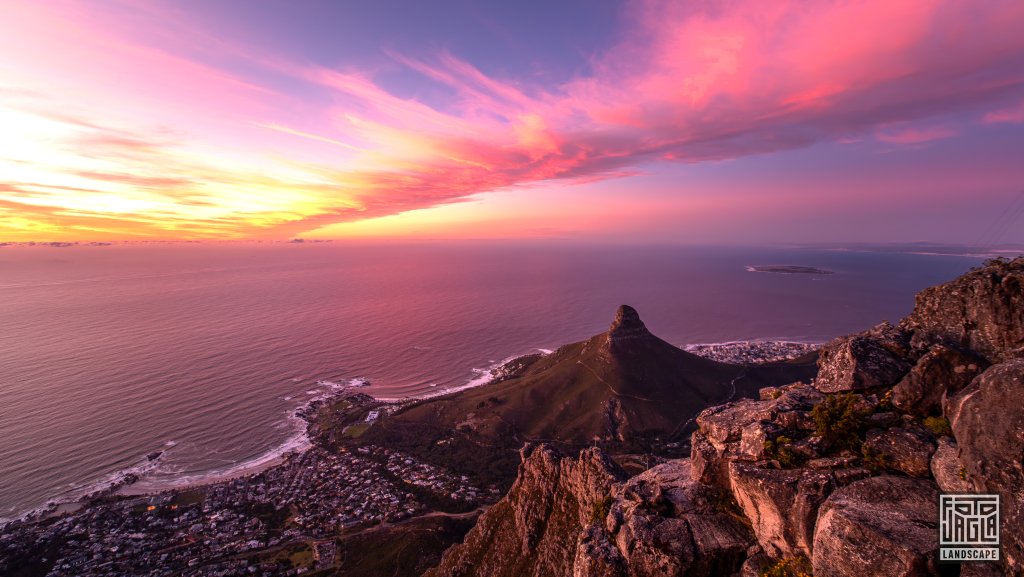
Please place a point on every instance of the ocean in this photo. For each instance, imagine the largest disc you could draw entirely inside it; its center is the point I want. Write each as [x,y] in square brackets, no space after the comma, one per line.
[204,351]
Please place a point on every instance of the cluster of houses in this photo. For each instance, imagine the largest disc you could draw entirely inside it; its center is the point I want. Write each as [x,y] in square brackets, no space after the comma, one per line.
[244,526]
[751,352]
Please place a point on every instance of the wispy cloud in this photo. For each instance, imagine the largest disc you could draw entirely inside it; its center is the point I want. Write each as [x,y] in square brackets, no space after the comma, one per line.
[227,152]
[913,135]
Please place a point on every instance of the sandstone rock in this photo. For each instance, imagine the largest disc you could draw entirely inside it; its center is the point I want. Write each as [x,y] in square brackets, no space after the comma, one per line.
[755,564]
[878,526]
[949,473]
[905,450]
[988,423]
[942,370]
[809,448]
[984,570]
[667,524]
[724,424]
[596,556]
[538,528]
[882,420]
[706,462]
[753,438]
[982,311]
[858,362]
[782,505]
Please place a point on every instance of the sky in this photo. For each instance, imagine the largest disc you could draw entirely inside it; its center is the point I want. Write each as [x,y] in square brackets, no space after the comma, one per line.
[634,121]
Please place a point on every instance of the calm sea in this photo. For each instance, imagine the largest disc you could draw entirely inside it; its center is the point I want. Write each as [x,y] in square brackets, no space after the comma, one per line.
[110,353]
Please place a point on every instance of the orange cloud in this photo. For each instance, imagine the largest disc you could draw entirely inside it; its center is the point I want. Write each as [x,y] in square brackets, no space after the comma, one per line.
[152,127]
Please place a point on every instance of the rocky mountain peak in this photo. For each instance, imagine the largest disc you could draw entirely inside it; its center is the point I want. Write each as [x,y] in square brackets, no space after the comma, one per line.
[627,325]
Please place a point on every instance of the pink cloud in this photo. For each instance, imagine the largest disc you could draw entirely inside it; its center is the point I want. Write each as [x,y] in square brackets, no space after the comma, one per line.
[685,82]
[913,135]
[1014,114]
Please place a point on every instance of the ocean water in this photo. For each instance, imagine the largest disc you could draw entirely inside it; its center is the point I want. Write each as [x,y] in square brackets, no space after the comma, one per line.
[203,351]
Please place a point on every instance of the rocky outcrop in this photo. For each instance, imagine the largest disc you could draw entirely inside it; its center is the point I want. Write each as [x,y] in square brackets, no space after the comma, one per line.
[577,517]
[942,370]
[664,524]
[537,528]
[849,487]
[988,422]
[782,504]
[858,362]
[949,474]
[626,326]
[878,526]
[982,311]
[901,450]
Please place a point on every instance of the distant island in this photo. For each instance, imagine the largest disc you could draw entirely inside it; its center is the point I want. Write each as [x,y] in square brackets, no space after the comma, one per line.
[789,269]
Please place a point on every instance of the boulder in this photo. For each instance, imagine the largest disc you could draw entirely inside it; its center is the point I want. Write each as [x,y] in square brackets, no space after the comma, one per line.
[858,362]
[878,526]
[724,424]
[596,556]
[666,524]
[942,370]
[753,438]
[905,450]
[988,422]
[981,311]
[949,473]
[706,462]
[782,504]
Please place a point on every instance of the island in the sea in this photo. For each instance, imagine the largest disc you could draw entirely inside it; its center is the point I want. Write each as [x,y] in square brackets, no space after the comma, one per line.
[789,269]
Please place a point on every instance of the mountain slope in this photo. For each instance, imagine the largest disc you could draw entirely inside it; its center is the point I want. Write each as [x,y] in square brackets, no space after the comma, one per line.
[624,388]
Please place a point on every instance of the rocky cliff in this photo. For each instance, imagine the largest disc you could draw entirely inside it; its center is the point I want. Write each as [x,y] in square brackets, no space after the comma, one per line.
[839,477]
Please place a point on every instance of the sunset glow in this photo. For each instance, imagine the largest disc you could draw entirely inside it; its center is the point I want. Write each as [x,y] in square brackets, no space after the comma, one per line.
[666,121]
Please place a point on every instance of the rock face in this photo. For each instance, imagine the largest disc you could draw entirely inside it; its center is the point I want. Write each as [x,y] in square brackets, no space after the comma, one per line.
[902,450]
[578,517]
[776,483]
[949,474]
[942,370]
[878,526]
[982,311]
[858,362]
[988,422]
[782,504]
[537,529]
[626,326]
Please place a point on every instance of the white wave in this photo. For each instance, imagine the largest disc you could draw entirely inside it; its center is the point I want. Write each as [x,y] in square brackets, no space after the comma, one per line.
[78,491]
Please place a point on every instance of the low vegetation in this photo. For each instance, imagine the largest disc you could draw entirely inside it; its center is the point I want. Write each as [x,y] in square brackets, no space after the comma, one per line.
[939,426]
[792,567]
[782,451]
[600,510]
[839,421]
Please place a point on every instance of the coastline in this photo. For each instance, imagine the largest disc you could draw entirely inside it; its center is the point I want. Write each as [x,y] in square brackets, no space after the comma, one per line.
[131,482]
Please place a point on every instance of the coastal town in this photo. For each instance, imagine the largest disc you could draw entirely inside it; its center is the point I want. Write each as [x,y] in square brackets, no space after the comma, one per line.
[285,520]
[282,521]
[751,352]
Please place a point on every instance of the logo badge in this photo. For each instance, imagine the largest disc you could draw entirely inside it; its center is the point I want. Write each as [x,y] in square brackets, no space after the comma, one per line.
[968,528]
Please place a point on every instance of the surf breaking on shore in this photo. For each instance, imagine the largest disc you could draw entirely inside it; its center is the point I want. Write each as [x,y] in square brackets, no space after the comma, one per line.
[151,474]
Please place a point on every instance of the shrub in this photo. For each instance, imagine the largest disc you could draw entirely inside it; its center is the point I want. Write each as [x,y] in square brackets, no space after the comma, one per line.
[792,567]
[938,425]
[874,460]
[839,421]
[600,510]
[885,403]
[781,451]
